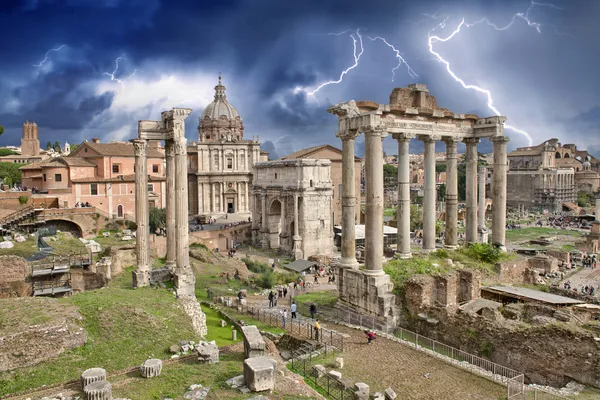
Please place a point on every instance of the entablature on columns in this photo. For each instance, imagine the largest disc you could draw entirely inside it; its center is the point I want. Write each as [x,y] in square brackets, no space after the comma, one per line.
[171,125]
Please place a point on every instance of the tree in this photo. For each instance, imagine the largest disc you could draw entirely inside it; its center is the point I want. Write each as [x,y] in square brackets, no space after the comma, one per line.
[440,167]
[158,218]
[441,192]
[49,146]
[390,175]
[416,217]
[73,147]
[56,147]
[10,173]
[1,129]
[7,152]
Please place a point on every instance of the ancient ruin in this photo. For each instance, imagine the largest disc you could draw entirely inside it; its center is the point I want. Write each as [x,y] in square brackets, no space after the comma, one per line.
[171,129]
[412,112]
[292,206]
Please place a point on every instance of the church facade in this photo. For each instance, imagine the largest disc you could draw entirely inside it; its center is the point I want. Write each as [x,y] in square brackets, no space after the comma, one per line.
[220,164]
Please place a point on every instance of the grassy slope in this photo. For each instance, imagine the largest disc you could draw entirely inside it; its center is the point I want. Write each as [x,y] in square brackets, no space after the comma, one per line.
[124,327]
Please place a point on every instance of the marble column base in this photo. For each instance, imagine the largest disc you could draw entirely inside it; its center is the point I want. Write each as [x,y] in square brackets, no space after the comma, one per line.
[403,256]
[451,246]
[141,278]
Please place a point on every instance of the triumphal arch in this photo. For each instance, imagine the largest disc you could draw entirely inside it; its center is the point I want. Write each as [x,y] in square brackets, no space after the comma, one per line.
[411,113]
[171,130]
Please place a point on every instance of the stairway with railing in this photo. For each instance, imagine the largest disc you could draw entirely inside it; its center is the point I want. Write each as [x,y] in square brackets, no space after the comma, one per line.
[16,217]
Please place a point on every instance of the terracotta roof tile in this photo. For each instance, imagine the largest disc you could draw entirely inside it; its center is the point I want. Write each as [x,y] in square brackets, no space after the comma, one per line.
[311,150]
[60,162]
[121,149]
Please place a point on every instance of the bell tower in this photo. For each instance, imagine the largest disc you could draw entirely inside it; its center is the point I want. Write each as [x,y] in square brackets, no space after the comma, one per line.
[30,144]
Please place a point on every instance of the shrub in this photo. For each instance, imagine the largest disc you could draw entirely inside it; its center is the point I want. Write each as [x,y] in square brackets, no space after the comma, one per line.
[256,266]
[23,199]
[198,246]
[484,252]
[486,348]
[265,280]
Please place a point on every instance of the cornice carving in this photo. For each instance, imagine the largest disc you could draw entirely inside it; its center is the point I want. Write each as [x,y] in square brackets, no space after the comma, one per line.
[140,148]
[348,134]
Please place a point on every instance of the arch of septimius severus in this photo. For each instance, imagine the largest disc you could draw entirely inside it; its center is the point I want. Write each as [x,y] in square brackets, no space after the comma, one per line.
[171,129]
[411,113]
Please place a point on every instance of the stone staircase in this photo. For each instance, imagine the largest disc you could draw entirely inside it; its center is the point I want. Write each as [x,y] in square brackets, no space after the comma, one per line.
[8,222]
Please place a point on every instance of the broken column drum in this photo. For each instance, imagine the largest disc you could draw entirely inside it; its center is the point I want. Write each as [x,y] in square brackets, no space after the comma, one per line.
[151,368]
[101,390]
[259,373]
[92,375]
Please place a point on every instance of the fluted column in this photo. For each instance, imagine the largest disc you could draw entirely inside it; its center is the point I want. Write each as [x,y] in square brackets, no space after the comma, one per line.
[171,235]
[482,228]
[374,221]
[246,190]
[184,276]
[471,186]
[264,227]
[429,213]
[499,184]
[403,210]
[450,237]
[348,200]
[296,239]
[141,275]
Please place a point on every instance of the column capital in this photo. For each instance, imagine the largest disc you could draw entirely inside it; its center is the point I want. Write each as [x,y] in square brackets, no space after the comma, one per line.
[370,130]
[348,134]
[451,140]
[140,147]
[470,141]
[499,139]
[403,136]
[429,138]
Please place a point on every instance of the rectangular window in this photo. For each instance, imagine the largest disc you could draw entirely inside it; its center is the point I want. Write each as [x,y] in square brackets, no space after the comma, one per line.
[155,168]
[58,177]
[229,163]
[115,168]
[150,187]
[94,189]
[44,176]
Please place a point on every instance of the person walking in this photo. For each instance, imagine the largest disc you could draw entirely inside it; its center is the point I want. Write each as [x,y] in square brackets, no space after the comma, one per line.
[271,299]
[285,290]
[313,310]
[283,317]
[317,328]
[294,308]
[370,336]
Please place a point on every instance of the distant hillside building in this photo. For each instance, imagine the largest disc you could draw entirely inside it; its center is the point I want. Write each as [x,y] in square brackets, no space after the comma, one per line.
[537,179]
[333,154]
[101,174]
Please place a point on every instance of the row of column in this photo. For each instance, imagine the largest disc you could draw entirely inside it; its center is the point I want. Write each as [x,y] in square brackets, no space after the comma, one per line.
[177,257]
[374,195]
[212,197]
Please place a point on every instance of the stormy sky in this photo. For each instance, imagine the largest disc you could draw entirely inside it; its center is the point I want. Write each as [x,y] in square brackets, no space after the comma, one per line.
[58,65]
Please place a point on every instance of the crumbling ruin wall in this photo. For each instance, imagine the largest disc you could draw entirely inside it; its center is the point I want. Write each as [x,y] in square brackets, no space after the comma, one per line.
[563,257]
[543,264]
[121,258]
[551,354]
[469,285]
[82,280]
[14,277]
[512,271]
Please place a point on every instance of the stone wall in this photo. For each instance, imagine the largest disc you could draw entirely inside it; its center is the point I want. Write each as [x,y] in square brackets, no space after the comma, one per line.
[14,277]
[82,280]
[512,271]
[563,257]
[520,190]
[121,258]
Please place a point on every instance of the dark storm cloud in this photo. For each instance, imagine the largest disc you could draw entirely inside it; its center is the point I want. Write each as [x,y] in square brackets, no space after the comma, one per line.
[272,47]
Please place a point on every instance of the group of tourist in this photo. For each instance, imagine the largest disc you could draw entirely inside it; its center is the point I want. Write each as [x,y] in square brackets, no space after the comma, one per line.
[589,261]
[82,204]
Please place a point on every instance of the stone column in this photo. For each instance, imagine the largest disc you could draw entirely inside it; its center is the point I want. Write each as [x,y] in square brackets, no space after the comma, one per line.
[597,209]
[141,276]
[246,203]
[471,186]
[374,221]
[499,184]
[482,228]
[184,276]
[451,240]
[170,175]
[403,210]
[429,213]
[264,227]
[297,244]
[348,200]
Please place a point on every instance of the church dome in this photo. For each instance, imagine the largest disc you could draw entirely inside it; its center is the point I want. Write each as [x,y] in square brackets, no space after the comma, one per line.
[220,120]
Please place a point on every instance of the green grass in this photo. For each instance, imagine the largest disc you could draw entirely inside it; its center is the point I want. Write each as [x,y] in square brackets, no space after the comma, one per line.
[124,327]
[567,247]
[389,212]
[222,335]
[25,249]
[251,321]
[515,235]
[321,299]
[67,244]
[113,240]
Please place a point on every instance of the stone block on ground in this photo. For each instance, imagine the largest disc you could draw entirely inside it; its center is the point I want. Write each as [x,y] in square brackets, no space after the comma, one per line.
[92,375]
[208,352]
[106,234]
[6,245]
[196,392]
[335,375]
[254,344]
[339,363]
[151,368]
[93,246]
[378,396]
[390,394]
[101,390]
[361,391]
[259,398]
[174,349]
[223,323]
[259,373]
[318,371]
[20,239]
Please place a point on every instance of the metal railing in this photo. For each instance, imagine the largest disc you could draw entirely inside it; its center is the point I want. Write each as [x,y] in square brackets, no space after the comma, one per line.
[331,387]
[301,328]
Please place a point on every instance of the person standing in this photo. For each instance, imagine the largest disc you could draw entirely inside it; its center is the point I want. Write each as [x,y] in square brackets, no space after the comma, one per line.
[313,310]
[285,290]
[283,314]
[271,298]
[294,308]
[317,328]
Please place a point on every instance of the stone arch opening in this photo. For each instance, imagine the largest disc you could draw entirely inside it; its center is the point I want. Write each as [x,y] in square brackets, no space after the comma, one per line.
[567,155]
[557,155]
[274,223]
[65,225]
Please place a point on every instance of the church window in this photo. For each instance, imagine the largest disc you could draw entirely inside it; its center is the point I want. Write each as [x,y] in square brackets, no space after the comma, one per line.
[155,168]
[58,177]
[229,163]
[94,189]
[216,161]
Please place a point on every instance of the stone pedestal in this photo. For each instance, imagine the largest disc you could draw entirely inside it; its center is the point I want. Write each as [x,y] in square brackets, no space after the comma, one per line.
[254,344]
[101,390]
[92,375]
[368,294]
[259,373]
[361,391]
[151,368]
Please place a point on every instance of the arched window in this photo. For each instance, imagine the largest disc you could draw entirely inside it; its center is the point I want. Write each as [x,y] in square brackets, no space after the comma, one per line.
[557,155]
[567,155]
[119,211]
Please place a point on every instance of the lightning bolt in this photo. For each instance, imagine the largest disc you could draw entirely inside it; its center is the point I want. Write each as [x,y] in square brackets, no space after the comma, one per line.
[47,55]
[112,74]
[490,101]
[401,60]
[355,41]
